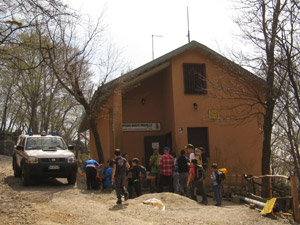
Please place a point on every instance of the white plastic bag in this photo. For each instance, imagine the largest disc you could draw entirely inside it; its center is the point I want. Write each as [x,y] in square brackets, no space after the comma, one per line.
[155,202]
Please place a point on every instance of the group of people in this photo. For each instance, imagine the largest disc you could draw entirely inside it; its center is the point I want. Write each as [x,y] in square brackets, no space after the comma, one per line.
[91,167]
[184,175]
[122,174]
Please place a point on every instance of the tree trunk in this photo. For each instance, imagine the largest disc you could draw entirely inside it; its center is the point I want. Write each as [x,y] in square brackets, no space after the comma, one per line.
[268,126]
[33,126]
[97,139]
[266,160]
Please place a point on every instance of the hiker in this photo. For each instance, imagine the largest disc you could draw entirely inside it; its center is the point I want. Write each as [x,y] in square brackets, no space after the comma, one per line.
[166,164]
[204,158]
[196,175]
[108,175]
[216,184]
[176,185]
[190,150]
[134,179]
[155,170]
[183,170]
[120,165]
[126,156]
[90,169]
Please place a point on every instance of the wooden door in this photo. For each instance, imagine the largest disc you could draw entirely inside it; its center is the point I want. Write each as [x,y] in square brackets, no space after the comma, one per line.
[198,136]
[162,140]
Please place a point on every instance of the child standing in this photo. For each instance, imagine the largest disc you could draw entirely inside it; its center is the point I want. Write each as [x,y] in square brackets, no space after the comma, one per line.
[191,179]
[216,183]
[134,180]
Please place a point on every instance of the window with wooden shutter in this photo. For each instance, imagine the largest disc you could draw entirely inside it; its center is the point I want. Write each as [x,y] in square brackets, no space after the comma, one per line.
[194,78]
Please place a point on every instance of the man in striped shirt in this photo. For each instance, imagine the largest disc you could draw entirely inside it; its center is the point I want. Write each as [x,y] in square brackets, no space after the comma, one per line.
[166,164]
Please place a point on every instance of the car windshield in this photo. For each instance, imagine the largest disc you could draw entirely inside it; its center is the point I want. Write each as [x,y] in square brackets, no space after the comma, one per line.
[45,143]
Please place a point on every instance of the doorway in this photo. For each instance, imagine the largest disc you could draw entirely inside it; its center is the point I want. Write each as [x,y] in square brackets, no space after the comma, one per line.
[161,141]
[198,136]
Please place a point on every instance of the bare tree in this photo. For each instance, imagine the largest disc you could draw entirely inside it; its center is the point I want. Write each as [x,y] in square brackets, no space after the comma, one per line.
[70,58]
[260,24]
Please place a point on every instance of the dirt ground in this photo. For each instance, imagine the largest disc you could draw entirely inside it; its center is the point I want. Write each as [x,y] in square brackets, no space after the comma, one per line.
[53,201]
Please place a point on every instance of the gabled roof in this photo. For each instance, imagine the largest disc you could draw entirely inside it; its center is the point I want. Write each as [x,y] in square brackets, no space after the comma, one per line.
[161,63]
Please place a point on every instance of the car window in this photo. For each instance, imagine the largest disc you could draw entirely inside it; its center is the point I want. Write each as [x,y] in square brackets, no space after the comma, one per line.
[45,143]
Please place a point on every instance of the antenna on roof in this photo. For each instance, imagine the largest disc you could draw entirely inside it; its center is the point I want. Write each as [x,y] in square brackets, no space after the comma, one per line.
[153,35]
[188,23]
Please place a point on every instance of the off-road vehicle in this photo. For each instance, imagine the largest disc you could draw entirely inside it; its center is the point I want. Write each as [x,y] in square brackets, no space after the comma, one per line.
[43,156]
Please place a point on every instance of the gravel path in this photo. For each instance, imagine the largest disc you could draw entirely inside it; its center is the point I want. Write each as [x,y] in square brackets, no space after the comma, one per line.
[53,201]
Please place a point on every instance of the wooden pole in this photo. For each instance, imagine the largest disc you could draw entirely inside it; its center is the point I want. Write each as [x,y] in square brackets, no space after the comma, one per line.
[271,192]
[294,191]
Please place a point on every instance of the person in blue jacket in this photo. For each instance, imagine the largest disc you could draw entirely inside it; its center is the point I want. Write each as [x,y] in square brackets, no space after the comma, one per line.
[108,174]
[90,169]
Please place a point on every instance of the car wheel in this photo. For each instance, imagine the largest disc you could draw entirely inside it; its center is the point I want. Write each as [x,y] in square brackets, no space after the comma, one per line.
[72,178]
[25,177]
[16,168]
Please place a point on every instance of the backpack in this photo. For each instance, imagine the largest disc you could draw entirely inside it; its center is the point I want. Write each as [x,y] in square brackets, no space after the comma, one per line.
[220,176]
[199,173]
[142,173]
[101,172]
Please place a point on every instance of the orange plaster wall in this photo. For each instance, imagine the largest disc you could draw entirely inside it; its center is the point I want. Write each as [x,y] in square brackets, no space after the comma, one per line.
[236,146]
[156,90]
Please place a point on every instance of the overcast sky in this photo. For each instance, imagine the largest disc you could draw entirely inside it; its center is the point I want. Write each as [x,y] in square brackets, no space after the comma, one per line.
[131,24]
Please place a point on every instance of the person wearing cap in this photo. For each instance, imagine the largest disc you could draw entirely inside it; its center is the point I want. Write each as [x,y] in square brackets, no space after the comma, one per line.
[166,164]
[190,150]
[216,185]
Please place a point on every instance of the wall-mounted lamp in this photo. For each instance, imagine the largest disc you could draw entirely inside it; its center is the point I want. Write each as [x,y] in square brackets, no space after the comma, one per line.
[180,130]
[143,101]
[195,106]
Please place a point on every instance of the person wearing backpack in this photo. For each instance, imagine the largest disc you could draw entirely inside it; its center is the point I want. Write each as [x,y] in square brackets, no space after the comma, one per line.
[215,176]
[190,150]
[134,178]
[196,177]
[120,166]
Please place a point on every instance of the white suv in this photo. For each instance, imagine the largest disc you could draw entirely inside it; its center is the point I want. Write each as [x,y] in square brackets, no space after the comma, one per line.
[43,156]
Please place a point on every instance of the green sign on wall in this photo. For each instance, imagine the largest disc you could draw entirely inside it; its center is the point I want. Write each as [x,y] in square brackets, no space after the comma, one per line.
[141,126]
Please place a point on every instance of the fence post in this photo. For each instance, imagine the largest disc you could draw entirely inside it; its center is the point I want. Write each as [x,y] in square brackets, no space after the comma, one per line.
[294,191]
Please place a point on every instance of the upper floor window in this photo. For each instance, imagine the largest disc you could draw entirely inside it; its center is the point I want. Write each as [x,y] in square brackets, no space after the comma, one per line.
[194,78]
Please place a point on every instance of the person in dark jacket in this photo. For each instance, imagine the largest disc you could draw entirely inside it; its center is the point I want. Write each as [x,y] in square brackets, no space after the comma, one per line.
[90,169]
[134,179]
[119,174]
[183,170]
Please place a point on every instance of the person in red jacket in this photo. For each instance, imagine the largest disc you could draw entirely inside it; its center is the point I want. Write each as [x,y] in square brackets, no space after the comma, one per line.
[166,164]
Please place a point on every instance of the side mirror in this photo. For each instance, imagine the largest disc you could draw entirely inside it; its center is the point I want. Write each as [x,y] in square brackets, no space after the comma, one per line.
[70,147]
[20,147]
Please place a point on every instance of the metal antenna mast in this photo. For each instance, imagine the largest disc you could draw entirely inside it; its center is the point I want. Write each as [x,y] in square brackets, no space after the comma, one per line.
[188,23]
[153,44]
